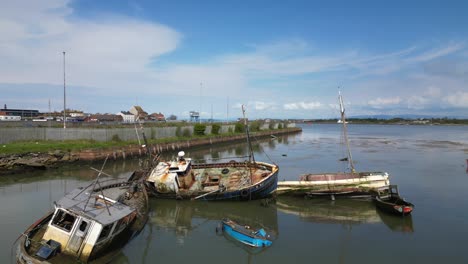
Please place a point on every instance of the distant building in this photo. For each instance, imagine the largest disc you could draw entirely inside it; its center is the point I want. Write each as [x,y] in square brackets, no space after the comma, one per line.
[127,117]
[5,117]
[103,118]
[22,113]
[76,114]
[157,117]
[138,112]
[194,116]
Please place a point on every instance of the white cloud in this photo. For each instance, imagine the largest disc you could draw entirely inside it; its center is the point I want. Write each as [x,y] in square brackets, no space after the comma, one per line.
[459,99]
[119,55]
[383,102]
[436,53]
[303,106]
[111,51]
[259,105]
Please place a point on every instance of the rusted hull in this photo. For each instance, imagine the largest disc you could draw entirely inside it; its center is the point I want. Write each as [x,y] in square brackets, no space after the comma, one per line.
[261,190]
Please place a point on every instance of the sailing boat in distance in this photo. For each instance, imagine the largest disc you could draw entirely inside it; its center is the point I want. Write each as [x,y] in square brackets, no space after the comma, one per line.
[351,184]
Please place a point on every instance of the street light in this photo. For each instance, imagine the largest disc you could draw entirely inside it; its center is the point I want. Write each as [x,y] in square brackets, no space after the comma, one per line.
[64,95]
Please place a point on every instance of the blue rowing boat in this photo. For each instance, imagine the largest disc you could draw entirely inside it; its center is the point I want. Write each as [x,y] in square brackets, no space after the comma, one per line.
[245,234]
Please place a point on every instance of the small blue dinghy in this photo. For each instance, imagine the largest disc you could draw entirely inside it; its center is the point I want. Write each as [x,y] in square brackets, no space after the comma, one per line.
[245,234]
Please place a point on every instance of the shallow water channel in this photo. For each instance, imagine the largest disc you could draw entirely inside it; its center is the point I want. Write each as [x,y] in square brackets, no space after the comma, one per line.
[428,163]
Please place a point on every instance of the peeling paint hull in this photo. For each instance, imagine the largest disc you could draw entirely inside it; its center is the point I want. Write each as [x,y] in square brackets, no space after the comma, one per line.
[33,238]
[262,186]
[351,185]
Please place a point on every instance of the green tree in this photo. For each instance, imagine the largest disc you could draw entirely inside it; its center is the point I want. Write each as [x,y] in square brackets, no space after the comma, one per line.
[215,129]
[255,126]
[239,128]
[186,133]
[199,129]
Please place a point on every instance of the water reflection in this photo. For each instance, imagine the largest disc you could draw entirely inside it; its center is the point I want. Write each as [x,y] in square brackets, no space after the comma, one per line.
[184,217]
[397,223]
[342,211]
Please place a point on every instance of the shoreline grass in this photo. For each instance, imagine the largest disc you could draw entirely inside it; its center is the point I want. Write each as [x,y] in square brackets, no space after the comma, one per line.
[45,146]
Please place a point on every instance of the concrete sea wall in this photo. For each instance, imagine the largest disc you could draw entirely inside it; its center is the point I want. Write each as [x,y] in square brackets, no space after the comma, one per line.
[12,134]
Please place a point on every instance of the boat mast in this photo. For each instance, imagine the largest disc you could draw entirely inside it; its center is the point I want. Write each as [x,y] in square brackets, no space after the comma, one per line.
[251,155]
[345,132]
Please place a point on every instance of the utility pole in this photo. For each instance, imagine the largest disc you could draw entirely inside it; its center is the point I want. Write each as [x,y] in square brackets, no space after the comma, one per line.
[199,113]
[64,96]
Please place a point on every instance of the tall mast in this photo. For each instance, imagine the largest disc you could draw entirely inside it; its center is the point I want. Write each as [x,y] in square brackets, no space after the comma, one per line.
[251,155]
[64,96]
[345,132]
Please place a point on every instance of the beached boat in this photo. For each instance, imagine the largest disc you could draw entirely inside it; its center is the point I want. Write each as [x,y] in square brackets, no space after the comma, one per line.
[245,234]
[351,184]
[88,224]
[388,199]
[181,179]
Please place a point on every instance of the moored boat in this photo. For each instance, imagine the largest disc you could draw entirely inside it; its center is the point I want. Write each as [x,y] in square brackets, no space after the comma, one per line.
[388,199]
[87,224]
[245,234]
[351,184]
[181,179]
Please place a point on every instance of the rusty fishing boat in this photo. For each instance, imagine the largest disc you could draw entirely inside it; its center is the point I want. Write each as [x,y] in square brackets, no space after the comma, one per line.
[88,224]
[182,179]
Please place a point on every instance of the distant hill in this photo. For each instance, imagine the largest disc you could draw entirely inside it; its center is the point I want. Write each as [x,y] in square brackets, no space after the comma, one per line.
[405,116]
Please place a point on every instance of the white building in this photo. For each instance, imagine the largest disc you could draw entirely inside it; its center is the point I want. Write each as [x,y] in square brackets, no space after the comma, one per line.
[127,117]
[10,118]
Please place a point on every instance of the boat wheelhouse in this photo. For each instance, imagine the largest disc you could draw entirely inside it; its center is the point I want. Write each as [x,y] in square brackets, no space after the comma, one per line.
[86,224]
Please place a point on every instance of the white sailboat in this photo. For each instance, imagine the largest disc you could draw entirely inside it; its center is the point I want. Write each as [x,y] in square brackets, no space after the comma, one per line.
[350,184]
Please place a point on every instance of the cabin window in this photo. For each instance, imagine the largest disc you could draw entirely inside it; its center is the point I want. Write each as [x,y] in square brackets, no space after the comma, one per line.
[120,225]
[83,226]
[105,232]
[64,220]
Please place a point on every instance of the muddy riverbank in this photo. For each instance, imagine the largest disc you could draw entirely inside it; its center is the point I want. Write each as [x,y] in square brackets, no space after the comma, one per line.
[16,163]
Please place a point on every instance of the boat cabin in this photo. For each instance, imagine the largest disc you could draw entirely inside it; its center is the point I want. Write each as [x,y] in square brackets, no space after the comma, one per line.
[84,223]
[172,176]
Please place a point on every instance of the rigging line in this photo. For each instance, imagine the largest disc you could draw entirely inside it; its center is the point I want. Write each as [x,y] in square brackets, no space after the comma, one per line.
[233,157]
[256,139]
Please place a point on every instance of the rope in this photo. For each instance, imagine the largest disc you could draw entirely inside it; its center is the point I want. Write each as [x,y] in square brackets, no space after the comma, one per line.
[264,151]
[225,158]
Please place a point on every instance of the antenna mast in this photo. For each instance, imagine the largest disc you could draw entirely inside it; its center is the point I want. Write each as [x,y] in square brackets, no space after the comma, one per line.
[345,132]
[251,155]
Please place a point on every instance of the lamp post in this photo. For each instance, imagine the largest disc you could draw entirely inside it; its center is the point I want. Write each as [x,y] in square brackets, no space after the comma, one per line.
[64,95]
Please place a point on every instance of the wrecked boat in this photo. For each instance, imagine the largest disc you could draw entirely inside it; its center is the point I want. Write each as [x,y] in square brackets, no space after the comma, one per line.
[350,184]
[87,225]
[388,199]
[180,179]
[245,234]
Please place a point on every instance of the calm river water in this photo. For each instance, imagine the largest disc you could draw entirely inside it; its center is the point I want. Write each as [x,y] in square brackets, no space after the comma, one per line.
[428,163]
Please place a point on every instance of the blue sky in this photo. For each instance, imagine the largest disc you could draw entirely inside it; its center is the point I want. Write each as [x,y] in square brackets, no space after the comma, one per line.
[280,59]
